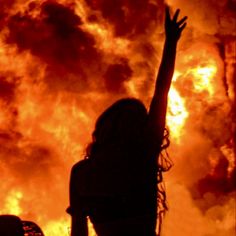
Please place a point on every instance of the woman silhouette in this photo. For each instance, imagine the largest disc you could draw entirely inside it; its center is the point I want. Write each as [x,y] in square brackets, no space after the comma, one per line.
[116,185]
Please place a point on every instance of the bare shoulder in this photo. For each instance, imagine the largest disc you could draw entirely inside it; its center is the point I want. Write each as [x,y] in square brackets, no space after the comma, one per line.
[80,168]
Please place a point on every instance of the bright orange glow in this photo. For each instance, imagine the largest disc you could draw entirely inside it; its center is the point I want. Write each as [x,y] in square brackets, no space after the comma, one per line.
[177,114]
[59,227]
[54,82]
[12,203]
[204,78]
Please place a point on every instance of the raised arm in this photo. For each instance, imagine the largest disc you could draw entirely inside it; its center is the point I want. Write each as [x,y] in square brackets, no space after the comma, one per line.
[158,106]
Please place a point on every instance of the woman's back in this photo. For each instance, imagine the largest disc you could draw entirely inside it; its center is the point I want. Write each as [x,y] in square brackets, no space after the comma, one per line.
[119,197]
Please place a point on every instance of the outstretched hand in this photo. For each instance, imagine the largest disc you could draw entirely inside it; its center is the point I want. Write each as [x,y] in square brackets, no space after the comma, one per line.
[174,28]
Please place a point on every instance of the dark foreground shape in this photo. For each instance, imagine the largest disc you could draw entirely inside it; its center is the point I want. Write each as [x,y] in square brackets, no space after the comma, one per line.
[31,229]
[11,225]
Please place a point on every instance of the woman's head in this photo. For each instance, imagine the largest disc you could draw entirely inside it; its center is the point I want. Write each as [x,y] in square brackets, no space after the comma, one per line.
[121,125]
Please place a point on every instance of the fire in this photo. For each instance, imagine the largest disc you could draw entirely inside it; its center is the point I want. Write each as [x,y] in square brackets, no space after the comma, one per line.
[204,78]
[228,153]
[12,203]
[177,114]
[102,31]
[57,227]
[63,62]
[105,39]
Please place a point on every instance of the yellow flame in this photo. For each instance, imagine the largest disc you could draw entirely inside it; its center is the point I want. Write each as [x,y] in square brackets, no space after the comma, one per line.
[203,78]
[177,114]
[62,227]
[91,229]
[57,227]
[12,203]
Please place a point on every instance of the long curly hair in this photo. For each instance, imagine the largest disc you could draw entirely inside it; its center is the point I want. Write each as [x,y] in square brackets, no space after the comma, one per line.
[123,125]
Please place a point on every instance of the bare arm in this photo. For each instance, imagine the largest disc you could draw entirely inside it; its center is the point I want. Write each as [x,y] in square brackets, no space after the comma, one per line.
[158,106]
[79,225]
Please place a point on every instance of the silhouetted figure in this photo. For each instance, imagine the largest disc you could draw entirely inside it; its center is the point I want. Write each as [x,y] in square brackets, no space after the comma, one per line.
[116,185]
[11,225]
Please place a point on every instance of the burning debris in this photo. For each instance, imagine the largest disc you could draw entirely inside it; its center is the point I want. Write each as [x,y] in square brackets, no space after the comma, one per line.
[62,62]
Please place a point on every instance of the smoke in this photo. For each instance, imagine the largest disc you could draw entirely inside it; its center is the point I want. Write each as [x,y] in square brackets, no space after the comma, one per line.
[6,89]
[129,18]
[116,74]
[55,36]
[186,216]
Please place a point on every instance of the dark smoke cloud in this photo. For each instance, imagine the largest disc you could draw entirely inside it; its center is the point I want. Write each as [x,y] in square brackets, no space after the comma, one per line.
[116,74]
[219,181]
[7,90]
[5,5]
[35,170]
[2,19]
[39,158]
[57,38]
[129,18]
[218,131]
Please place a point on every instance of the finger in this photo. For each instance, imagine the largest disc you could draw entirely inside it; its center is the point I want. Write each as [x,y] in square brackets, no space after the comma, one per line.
[182,21]
[182,27]
[167,14]
[176,15]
